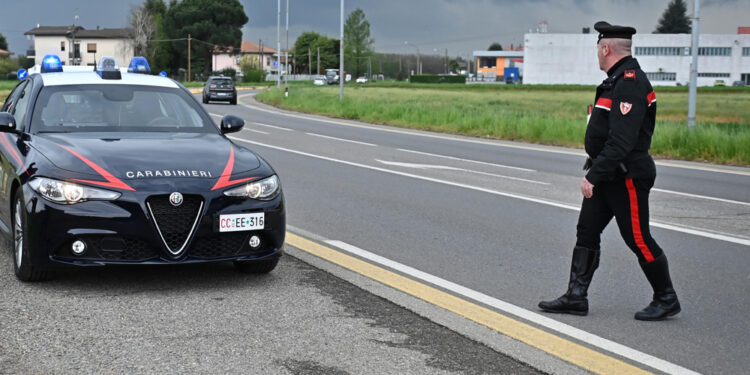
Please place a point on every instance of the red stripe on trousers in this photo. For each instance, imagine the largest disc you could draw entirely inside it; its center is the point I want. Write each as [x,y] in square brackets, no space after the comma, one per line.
[636,222]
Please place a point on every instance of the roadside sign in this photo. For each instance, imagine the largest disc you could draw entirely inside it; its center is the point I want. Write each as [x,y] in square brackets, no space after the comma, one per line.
[163,73]
[22,73]
[275,63]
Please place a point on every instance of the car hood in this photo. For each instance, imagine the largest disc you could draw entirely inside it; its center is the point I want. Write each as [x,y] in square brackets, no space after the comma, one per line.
[128,156]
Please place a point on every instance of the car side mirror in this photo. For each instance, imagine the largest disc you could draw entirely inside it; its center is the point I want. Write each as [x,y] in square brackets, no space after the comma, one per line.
[7,123]
[231,124]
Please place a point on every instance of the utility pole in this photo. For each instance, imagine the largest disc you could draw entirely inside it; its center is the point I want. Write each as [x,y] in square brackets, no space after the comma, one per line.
[369,67]
[693,90]
[318,61]
[278,44]
[188,77]
[446,61]
[260,54]
[309,61]
[286,53]
[342,78]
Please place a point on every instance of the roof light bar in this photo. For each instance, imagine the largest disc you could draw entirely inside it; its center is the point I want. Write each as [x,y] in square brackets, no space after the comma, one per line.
[139,64]
[108,68]
[51,64]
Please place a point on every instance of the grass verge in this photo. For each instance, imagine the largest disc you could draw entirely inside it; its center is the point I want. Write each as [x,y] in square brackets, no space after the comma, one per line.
[554,115]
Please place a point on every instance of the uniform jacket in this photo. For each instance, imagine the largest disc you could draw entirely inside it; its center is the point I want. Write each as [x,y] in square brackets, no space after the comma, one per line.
[619,131]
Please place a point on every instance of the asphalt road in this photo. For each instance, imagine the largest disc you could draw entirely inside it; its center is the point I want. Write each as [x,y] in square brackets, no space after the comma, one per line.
[499,218]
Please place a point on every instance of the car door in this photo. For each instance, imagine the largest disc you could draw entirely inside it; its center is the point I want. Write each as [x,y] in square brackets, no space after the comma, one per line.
[17,105]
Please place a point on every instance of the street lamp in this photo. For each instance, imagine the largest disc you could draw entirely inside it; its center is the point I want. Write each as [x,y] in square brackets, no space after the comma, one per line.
[419,67]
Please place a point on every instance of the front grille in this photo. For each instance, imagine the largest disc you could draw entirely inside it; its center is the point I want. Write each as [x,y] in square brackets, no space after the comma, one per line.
[175,224]
[220,245]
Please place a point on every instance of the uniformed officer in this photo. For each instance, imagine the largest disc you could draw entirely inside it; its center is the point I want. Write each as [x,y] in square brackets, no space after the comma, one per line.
[620,176]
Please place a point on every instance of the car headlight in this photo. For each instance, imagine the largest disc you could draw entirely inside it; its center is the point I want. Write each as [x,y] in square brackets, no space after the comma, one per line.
[67,192]
[265,189]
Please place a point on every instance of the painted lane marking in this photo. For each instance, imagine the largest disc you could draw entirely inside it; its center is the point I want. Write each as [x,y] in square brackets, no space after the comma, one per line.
[340,139]
[673,227]
[445,167]
[701,197]
[274,127]
[467,160]
[255,131]
[498,143]
[565,349]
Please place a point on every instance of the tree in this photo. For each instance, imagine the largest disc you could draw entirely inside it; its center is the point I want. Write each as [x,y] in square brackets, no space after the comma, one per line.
[143,29]
[210,23]
[495,46]
[159,53]
[357,42]
[3,42]
[674,20]
[248,62]
[311,41]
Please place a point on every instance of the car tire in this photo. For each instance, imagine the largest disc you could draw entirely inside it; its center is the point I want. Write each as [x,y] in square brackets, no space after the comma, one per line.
[233,101]
[256,266]
[23,254]
[205,101]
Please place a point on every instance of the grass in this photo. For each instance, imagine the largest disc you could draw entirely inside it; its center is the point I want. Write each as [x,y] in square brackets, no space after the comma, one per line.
[553,115]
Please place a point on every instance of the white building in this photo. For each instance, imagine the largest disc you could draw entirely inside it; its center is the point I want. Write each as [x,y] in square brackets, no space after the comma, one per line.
[78,46]
[571,58]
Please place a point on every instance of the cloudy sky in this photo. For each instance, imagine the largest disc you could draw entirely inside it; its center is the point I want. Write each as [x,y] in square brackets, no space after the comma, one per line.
[461,26]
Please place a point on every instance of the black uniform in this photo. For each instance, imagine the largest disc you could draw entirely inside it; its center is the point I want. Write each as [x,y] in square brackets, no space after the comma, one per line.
[618,138]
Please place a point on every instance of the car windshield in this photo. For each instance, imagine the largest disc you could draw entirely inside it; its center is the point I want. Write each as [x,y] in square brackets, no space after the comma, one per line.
[118,108]
[221,82]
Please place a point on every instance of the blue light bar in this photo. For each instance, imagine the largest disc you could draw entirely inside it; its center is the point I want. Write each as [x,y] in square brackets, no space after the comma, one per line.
[51,64]
[139,64]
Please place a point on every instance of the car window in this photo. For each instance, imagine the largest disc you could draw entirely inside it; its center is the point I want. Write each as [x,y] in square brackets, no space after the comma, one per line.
[21,106]
[221,81]
[10,101]
[80,108]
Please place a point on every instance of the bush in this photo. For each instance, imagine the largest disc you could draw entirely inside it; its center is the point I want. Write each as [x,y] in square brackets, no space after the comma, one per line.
[431,78]
[7,69]
[253,75]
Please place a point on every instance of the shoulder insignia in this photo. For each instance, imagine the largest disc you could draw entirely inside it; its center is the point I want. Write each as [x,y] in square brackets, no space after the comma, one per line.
[625,107]
[630,75]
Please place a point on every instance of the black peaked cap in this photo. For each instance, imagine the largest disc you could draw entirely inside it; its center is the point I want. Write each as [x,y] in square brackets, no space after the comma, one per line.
[613,31]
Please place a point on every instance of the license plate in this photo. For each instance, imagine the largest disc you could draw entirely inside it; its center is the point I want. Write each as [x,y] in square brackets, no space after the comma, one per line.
[240,222]
[222,94]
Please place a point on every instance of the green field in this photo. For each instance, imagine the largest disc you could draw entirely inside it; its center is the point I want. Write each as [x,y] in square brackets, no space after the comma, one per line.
[554,115]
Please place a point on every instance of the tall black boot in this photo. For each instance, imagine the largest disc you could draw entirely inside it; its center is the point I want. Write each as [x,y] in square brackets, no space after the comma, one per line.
[665,303]
[574,301]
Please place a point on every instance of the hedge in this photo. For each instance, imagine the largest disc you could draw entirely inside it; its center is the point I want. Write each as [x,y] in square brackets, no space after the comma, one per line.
[432,78]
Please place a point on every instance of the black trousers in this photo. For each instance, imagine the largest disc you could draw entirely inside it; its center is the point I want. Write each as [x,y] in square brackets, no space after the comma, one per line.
[627,201]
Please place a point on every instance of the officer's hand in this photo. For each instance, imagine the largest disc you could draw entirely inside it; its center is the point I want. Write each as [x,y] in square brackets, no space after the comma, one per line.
[587,189]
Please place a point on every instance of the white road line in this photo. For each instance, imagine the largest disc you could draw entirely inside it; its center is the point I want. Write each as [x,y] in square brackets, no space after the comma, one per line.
[255,131]
[672,227]
[467,160]
[497,143]
[274,127]
[340,139]
[701,197]
[589,338]
[445,167]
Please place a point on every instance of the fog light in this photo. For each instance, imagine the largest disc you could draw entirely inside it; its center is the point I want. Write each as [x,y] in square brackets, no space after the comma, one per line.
[254,241]
[78,247]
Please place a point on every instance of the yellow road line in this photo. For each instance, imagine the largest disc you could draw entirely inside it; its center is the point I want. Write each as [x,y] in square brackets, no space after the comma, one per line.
[567,350]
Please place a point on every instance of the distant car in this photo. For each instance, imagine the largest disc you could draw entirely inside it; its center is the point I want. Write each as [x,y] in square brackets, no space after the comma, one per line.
[362,80]
[720,82]
[219,88]
[319,81]
[738,83]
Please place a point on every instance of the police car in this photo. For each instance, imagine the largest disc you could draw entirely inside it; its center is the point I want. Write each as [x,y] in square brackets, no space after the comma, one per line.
[118,166]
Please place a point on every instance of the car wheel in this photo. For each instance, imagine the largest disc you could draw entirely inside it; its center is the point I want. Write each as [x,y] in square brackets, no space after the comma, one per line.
[23,259]
[256,266]
[205,101]
[233,101]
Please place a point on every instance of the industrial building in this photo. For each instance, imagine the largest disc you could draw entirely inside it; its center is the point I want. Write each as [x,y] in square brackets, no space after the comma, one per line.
[665,58]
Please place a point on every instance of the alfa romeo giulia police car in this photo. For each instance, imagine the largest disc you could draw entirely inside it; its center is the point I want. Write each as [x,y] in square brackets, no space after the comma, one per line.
[107,166]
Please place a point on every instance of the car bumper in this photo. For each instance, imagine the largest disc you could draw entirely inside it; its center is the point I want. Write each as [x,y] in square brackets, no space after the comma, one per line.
[125,232]
[221,95]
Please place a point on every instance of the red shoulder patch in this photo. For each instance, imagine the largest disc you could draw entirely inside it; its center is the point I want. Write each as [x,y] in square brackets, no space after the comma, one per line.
[630,75]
